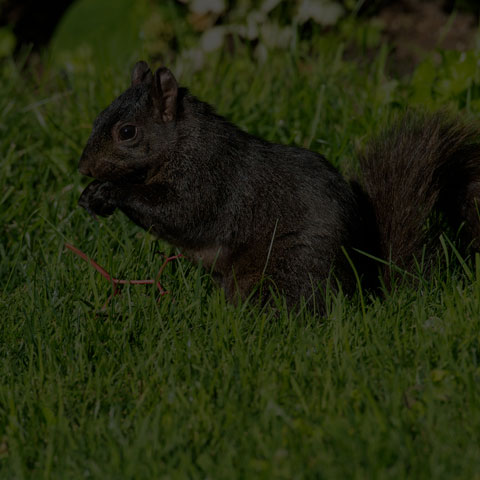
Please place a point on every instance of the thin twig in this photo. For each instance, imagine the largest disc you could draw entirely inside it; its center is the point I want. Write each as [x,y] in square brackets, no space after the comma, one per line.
[117,281]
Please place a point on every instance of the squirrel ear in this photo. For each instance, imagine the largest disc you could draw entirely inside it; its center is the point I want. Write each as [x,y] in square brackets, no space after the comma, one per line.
[141,73]
[165,94]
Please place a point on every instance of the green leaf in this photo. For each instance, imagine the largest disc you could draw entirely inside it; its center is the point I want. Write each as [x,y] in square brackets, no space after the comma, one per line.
[7,42]
[105,31]
[422,82]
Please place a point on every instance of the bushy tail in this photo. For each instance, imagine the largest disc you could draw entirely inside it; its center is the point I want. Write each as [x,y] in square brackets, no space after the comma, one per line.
[425,166]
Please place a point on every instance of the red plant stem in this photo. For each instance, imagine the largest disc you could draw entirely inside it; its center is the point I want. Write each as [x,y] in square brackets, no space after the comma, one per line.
[116,281]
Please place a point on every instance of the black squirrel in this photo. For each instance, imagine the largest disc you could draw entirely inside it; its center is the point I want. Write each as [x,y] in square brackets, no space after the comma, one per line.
[251,210]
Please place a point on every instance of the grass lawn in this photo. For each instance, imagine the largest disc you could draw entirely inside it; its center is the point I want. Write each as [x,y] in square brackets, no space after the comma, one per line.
[190,386]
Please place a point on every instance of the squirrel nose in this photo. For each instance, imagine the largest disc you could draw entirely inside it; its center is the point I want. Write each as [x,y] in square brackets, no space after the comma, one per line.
[84,170]
[84,166]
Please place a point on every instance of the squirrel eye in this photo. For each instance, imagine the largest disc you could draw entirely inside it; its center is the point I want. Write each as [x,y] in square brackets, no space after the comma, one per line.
[127,132]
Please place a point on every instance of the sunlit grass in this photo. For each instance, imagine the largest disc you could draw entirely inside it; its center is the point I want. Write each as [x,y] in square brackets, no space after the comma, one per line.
[190,385]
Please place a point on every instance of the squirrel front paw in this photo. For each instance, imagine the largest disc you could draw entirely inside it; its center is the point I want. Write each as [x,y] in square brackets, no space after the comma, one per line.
[100,198]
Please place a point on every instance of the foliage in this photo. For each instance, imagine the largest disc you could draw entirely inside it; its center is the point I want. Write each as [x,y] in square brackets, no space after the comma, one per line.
[7,42]
[99,32]
[448,75]
[190,30]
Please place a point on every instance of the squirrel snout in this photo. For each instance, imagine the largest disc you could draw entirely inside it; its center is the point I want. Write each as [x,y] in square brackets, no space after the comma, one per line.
[84,166]
[85,170]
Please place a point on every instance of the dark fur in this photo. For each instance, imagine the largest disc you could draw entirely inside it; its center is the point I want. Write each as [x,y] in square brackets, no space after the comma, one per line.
[425,164]
[249,209]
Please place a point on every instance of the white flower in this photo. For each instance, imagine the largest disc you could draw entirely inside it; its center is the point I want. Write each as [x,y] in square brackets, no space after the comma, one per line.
[323,12]
[206,6]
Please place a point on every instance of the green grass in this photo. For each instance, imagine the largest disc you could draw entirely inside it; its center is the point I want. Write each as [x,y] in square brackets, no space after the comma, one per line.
[191,386]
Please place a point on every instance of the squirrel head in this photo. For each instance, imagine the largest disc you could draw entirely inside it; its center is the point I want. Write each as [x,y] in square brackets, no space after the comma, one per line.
[129,137]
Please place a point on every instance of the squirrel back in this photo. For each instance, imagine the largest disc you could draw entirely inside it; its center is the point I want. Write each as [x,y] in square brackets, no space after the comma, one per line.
[251,210]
